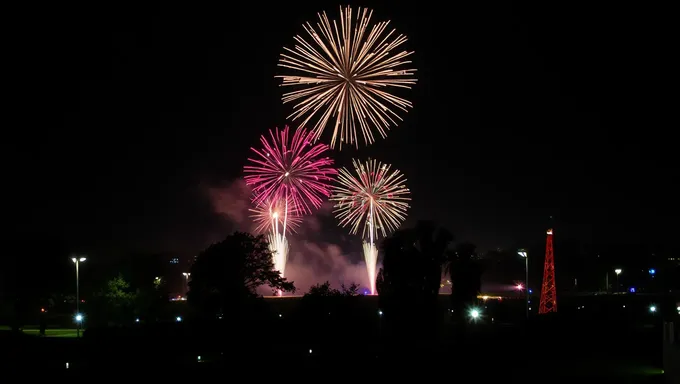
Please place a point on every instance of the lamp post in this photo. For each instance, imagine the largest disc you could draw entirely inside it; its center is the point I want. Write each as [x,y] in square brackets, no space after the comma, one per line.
[618,272]
[523,253]
[79,317]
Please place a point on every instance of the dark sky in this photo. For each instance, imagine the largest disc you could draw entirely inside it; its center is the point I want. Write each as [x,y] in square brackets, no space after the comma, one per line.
[521,112]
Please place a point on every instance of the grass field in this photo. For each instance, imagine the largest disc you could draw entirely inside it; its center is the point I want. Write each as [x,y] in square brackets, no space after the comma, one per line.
[56,332]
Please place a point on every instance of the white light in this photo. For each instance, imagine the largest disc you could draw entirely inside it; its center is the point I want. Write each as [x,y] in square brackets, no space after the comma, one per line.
[82,259]
[617,271]
[67,365]
[379,313]
[310,351]
[280,315]
[74,259]
[79,317]
[136,320]
[474,314]
[522,253]
[652,308]
[178,318]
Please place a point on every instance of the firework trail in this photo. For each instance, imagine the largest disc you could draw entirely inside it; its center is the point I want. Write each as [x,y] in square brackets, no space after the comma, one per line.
[269,217]
[344,73]
[372,198]
[289,178]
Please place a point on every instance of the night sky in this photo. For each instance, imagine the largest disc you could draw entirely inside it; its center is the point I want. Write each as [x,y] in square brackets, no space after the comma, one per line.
[138,116]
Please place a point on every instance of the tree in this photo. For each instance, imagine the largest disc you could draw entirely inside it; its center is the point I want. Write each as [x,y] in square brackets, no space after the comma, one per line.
[325,290]
[119,300]
[466,279]
[228,273]
[151,301]
[409,281]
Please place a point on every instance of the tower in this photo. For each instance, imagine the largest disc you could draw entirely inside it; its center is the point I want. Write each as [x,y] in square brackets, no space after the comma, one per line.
[548,291]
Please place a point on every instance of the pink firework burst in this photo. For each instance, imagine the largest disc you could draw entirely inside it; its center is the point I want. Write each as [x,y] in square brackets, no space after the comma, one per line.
[268,214]
[291,169]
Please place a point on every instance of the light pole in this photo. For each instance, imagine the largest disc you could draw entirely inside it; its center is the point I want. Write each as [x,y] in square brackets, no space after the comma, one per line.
[618,272]
[523,253]
[79,317]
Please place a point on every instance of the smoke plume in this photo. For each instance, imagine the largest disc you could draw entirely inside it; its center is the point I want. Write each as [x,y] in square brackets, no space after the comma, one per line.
[318,251]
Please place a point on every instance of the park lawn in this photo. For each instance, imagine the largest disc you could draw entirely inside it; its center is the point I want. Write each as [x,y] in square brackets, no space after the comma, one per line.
[49,332]
[609,368]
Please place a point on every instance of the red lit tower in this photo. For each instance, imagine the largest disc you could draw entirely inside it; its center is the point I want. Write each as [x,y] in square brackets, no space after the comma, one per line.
[548,291]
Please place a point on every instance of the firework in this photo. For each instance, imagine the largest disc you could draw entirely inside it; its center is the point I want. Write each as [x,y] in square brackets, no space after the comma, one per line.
[289,177]
[269,214]
[345,74]
[270,217]
[291,170]
[278,245]
[371,258]
[374,199]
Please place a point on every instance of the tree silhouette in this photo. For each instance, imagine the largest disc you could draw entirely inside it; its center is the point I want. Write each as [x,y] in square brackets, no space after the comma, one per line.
[113,304]
[325,290]
[466,279]
[228,273]
[409,281]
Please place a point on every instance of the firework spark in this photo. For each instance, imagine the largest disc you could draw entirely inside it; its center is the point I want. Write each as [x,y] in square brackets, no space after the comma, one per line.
[371,258]
[374,199]
[278,245]
[268,214]
[290,169]
[289,177]
[345,73]
[271,217]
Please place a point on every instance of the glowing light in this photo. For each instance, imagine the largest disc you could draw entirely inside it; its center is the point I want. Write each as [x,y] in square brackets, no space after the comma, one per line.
[345,73]
[291,170]
[178,319]
[618,271]
[373,198]
[519,287]
[79,318]
[652,308]
[652,271]
[475,314]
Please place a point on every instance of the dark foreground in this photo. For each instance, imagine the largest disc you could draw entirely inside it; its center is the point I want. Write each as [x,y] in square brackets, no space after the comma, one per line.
[549,349]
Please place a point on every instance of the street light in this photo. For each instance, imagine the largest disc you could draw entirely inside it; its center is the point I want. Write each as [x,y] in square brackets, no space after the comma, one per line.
[618,272]
[523,253]
[475,314]
[77,261]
